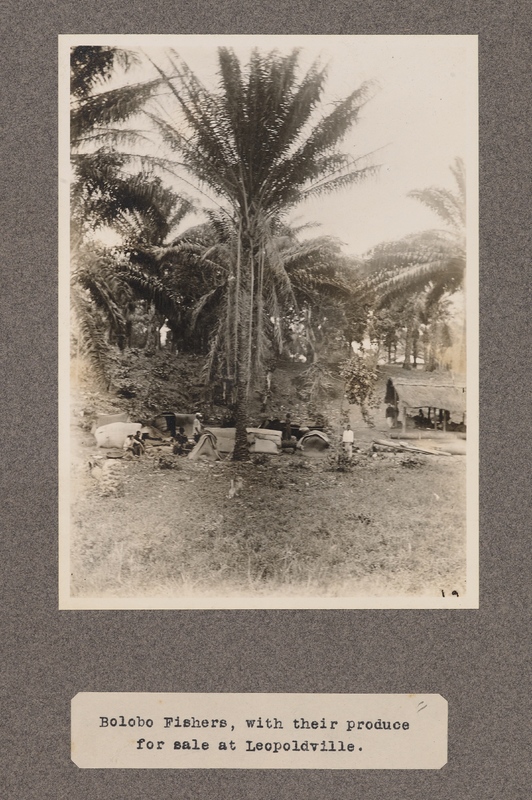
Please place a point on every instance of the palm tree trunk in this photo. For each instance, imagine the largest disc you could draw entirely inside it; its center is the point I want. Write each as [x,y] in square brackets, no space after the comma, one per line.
[260,311]
[251,314]
[426,348]
[433,347]
[228,323]
[408,346]
[236,308]
[241,452]
[415,343]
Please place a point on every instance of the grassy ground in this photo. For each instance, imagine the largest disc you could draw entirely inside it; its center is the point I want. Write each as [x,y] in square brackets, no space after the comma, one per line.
[392,525]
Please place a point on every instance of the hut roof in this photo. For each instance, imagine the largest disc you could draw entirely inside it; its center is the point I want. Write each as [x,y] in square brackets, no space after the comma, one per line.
[427,389]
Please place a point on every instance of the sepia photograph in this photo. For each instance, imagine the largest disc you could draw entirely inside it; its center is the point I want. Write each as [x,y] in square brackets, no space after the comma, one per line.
[268,279]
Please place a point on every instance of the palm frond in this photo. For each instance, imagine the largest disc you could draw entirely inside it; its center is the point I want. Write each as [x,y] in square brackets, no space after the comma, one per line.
[107,108]
[106,290]
[205,300]
[111,138]
[91,335]
[93,65]
[446,273]
[152,289]
[448,205]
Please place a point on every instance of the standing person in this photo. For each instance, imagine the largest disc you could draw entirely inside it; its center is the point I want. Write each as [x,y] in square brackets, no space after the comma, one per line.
[197,428]
[391,416]
[348,438]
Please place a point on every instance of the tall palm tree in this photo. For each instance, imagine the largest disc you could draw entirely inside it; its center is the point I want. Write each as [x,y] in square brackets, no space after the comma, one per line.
[255,142]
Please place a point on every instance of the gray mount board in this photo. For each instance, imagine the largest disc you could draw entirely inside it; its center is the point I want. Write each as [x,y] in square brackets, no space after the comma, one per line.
[475,659]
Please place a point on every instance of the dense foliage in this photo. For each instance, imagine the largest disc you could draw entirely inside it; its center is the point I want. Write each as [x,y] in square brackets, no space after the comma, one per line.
[360,377]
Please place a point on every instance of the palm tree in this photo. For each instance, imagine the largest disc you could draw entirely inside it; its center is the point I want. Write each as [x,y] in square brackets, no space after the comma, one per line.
[106,284]
[421,268]
[96,128]
[436,257]
[325,285]
[255,144]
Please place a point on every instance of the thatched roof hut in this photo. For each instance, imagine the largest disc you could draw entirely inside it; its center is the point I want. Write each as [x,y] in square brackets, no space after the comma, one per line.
[413,389]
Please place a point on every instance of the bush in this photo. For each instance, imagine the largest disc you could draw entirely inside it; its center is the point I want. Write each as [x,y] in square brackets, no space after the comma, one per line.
[169,461]
[411,463]
[360,376]
[261,459]
[338,461]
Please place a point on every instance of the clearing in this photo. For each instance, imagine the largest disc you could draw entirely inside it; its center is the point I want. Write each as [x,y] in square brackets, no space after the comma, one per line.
[394,524]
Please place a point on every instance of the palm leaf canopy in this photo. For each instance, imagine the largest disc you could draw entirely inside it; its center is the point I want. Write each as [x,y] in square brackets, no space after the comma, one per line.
[448,205]
[316,271]
[409,265]
[435,257]
[93,65]
[91,68]
[107,108]
[254,140]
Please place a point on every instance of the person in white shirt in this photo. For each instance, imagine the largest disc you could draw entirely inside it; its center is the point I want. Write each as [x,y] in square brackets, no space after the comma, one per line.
[347,440]
[197,428]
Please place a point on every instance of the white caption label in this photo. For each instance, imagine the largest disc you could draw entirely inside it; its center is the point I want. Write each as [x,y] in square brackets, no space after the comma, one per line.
[259,731]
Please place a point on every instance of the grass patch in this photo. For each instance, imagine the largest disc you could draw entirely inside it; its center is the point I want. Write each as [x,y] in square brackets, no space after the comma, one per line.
[295,528]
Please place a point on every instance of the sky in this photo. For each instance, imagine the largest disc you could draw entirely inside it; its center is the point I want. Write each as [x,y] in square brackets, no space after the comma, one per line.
[422,115]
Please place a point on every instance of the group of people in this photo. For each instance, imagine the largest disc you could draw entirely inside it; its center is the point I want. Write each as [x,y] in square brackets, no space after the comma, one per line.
[438,421]
[348,436]
[134,443]
[180,440]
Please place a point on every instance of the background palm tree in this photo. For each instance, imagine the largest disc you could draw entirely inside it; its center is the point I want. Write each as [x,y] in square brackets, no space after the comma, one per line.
[106,282]
[418,270]
[436,256]
[99,188]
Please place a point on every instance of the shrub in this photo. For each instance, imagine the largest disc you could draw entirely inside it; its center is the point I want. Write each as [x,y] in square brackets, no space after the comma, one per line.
[168,461]
[338,461]
[261,459]
[411,463]
[360,376]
